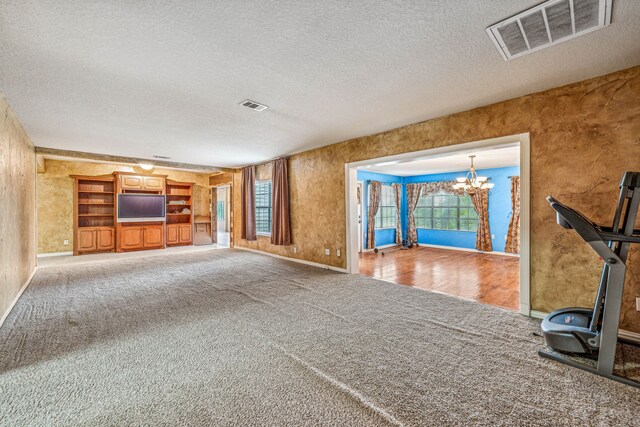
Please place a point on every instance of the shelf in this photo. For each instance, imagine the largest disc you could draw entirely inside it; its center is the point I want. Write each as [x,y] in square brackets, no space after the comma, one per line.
[177,214]
[96,204]
[95,215]
[178,204]
[96,192]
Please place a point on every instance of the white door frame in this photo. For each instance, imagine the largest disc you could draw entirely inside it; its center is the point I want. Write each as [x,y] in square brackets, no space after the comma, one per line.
[522,140]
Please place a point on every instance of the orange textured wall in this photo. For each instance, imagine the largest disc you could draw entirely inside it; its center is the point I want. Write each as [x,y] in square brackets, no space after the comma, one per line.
[583,137]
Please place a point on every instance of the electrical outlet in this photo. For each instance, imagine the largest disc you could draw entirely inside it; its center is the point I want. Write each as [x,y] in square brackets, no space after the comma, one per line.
[637,303]
[338,252]
[493,236]
[327,251]
[295,250]
[65,242]
[505,237]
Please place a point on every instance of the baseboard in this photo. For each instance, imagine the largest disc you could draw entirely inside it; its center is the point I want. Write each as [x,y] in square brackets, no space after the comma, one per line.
[19,294]
[633,337]
[300,261]
[50,254]
[455,248]
[537,314]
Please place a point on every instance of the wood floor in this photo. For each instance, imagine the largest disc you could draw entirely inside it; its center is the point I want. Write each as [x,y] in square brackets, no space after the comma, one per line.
[490,279]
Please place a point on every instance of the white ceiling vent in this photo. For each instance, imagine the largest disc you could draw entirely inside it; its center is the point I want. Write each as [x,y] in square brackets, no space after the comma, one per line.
[155,156]
[548,23]
[253,105]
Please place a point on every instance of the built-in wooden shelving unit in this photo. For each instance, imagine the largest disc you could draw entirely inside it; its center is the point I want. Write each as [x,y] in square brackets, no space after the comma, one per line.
[179,213]
[94,214]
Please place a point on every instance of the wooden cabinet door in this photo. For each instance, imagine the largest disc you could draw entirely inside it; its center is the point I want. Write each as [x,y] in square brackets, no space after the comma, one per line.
[153,184]
[87,240]
[131,182]
[185,233]
[173,234]
[152,236]
[131,238]
[106,239]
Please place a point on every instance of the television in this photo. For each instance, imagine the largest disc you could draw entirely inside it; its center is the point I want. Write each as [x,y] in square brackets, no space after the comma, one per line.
[141,207]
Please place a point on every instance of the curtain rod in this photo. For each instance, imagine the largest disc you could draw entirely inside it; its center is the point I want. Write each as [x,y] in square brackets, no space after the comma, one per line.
[265,162]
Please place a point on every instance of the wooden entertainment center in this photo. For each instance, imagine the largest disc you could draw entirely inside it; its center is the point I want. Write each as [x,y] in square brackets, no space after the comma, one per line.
[95,203]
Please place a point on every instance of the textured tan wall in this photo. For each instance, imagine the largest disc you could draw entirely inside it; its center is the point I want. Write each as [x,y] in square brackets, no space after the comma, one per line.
[55,197]
[583,137]
[17,207]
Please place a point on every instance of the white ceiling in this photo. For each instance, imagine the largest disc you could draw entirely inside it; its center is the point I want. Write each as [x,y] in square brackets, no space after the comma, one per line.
[485,159]
[165,77]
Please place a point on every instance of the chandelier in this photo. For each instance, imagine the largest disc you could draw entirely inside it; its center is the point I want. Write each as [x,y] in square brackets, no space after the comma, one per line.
[472,181]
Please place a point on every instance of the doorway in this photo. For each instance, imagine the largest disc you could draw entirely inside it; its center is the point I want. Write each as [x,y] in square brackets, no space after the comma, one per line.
[221,215]
[415,258]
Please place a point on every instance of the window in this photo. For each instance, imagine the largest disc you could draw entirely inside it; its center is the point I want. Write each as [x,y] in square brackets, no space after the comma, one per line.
[263,207]
[446,212]
[220,209]
[386,216]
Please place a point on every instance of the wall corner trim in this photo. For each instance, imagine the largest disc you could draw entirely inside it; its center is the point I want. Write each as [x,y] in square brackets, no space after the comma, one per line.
[15,300]
[300,261]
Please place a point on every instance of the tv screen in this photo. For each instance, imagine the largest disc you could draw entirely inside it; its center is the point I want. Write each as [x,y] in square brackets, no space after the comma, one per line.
[141,207]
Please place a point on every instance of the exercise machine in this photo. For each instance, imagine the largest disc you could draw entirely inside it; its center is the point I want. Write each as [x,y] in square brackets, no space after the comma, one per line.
[594,332]
[406,245]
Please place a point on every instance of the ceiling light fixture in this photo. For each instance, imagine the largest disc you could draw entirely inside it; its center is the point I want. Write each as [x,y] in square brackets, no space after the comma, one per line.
[146,166]
[472,182]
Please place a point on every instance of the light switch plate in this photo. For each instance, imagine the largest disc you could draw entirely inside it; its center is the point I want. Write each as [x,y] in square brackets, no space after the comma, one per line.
[337,252]
[327,251]
[65,242]
[637,303]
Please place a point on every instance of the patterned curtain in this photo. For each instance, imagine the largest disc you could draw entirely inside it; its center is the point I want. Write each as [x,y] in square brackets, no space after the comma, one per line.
[480,201]
[430,188]
[375,189]
[397,195]
[413,195]
[513,236]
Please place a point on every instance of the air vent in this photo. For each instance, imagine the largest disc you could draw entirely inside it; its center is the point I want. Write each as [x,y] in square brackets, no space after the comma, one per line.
[549,23]
[256,106]
[161,157]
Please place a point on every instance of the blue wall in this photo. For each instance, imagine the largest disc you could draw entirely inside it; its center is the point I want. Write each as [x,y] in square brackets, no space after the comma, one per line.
[499,208]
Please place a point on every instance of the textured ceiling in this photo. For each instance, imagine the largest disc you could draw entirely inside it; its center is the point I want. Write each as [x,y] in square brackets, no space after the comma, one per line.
[485,159]
[165,77]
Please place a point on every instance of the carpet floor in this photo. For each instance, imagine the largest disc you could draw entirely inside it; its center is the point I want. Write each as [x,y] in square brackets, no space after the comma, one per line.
[233,338]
